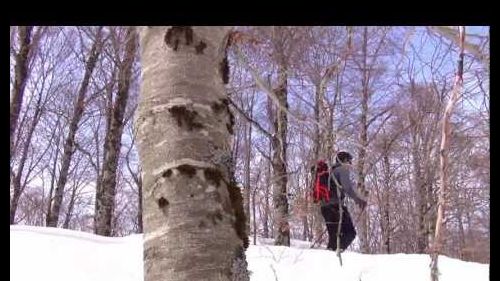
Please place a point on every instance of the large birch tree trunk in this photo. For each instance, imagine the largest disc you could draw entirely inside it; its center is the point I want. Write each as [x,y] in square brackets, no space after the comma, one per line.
[194,222]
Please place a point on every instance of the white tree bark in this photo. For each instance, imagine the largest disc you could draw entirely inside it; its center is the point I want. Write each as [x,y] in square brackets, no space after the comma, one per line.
[444,161]
[194,223]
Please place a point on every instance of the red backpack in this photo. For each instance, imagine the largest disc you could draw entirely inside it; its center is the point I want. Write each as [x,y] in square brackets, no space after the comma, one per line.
[320,190]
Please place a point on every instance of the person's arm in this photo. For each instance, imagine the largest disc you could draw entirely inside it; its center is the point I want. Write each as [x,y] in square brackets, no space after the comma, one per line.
[347,185]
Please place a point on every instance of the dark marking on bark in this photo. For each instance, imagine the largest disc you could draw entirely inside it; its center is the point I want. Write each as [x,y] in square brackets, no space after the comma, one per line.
[200,47]
[162,203]
[185,117]
[224,70]
[167,173]
[214,176]
[187,170]
[230,125]
[237,205]
[178,35]
[217,107]
[229,128]
[202,224]
[191,195]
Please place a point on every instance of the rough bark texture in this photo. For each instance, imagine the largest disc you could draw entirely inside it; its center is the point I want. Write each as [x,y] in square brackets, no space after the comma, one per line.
[105,195]
[69,145]
[21,76]
[194,222]
[280,200]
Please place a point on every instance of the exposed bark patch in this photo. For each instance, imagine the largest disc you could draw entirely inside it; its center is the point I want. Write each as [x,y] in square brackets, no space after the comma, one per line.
[219,107]
[214,176]
[186,118]
[167,173]
[200,47]
[237,205]
[178,35]
[188,170]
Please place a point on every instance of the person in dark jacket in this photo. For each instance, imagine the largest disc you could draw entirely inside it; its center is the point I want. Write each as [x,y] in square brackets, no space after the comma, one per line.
[330,210]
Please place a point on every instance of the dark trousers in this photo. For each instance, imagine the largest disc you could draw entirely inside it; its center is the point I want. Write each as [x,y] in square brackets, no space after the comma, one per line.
[331,214]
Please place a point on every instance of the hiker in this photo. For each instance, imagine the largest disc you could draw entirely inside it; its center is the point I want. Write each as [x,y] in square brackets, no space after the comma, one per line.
[327,195]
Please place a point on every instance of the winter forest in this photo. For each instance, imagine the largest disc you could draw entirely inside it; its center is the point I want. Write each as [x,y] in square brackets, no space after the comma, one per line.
[207,136]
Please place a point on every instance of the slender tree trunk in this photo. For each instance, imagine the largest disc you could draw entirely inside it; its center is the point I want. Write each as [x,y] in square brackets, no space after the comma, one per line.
[280,200]
[69,145]
[387,204]
[53,176]
[254,212]
[248,155]
[461,236]
[20,79]
[421,195]
[267,209]
[105,195]
[18,187]
[444,161]
[194,221]
[319,152]
[363,144]
[139,211]
[71,206]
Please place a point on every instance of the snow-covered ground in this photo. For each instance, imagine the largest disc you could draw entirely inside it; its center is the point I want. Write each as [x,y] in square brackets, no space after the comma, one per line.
[39,254]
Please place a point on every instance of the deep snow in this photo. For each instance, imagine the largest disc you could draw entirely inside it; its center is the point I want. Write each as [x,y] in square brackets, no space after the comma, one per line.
[39,253]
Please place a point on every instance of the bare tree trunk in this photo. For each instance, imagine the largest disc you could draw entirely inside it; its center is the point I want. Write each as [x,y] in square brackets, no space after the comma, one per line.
[69,145]
[254,211]
[21,76]
[267,209]
[386,223]
[421,195]
[18,188]
[184,127]
[139,212]
[281,225]
[363,143]
[53,175]
[71,206]
[105,195]
[248,155]
[444,160]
